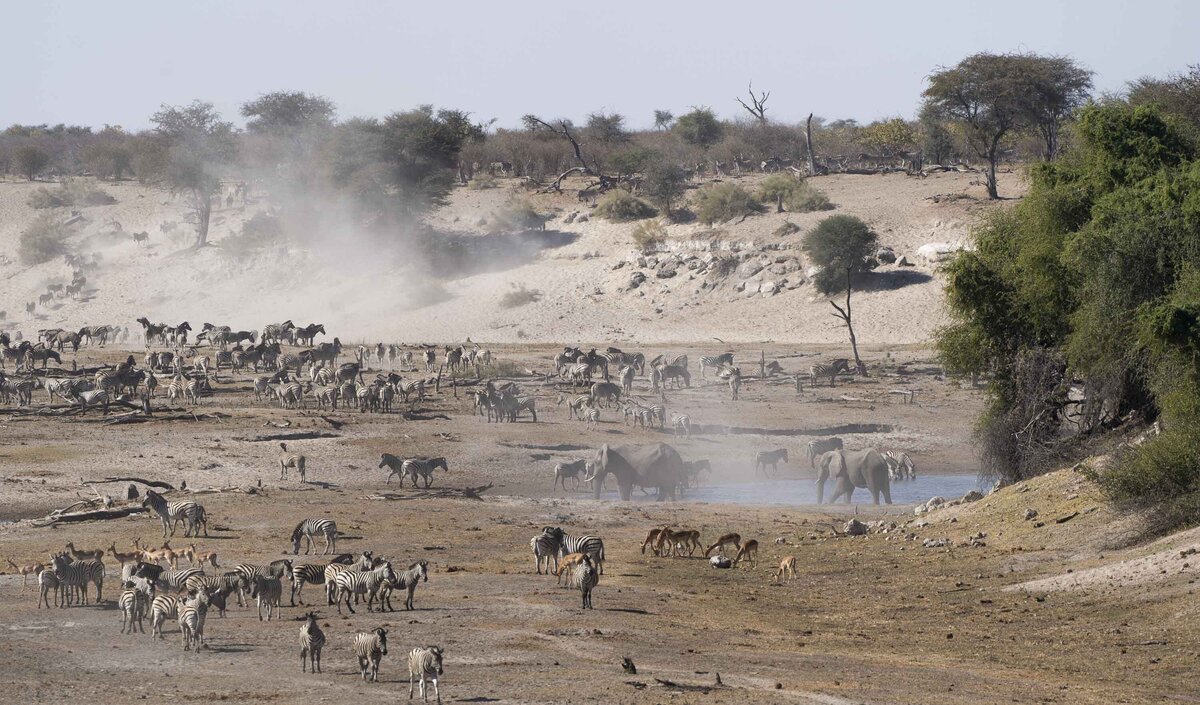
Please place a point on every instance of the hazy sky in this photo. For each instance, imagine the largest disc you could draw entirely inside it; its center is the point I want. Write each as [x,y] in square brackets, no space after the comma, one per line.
[115,62]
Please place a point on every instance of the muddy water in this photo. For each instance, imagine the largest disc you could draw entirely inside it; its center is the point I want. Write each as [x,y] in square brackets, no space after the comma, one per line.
[797,492]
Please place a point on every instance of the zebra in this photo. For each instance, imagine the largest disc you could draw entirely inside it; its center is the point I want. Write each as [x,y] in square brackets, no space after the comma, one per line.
[133,608]
[312,640]
[313,573]
[179,388]
[365,562]
[407,579]
[307,528]
[218,587]
[426,662]
[682,423]
[395,466]
[76,575]
[268,591]
[192,612]
[588,545]
[162,608]
[657,412]
[592,418]
[370,647]
[579,373]
[94,397]
[900,466]
[625,372]
[356,582]
[177,579]
[820,446]
[570,469]
[47,581]
[715,361]
[288,459]
[769,457]
[545,547]
[666,373]
[828,369]
[290,395]
[585,578]
[171,513]
[249,572]
[423,467]
[576,404]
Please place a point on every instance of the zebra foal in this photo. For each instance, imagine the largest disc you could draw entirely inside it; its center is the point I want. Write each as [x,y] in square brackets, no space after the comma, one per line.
[425,662]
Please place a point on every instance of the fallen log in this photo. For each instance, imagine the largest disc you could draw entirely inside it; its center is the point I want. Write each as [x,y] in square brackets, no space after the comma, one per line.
[293,436]
[92,515]
[439,493]
[149,483]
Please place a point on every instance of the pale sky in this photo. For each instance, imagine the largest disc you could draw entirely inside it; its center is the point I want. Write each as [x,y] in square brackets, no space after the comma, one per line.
[89,62]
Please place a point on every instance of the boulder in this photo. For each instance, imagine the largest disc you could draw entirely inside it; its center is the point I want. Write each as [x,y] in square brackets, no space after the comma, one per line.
[571,218]
[749,268]
[936,543]
[768,288]
[854,527]
[886,255]
[935,252]
[1030,514]
[903,262]
[636,279]
[583,218]
[972,496]
[666,272]
[619,265]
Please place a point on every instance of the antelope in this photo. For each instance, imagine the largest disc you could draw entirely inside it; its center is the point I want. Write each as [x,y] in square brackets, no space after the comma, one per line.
[731,539]
[85,555]
[26,570]
[568,562]
[787,569]
[124,558]
[194,556]
[749,551]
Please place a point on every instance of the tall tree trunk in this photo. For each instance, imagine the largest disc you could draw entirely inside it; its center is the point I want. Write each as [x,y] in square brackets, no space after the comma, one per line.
[990,176]
[812,169]
[847,317]
[203,215]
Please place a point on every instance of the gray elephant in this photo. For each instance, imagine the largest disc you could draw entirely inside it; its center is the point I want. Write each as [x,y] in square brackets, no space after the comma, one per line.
[653,465]
[848,470]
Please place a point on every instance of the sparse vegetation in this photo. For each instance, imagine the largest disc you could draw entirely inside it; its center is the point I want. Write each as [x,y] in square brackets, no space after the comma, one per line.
[44,240]
[482,180]
[797,195]
[720,203]
[70,194]
[29,161]
[259,232]
[518,295]
[620,206]
[517,214]
[648,234]
[787,228]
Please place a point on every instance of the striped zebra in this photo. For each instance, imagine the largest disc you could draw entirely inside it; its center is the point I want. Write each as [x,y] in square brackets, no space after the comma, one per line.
[192,611]
[307,528]
[407,579]
[830,369]
[133,608]
[365,562]
[735,382]
[585,578]
[76,575]
[576,404]
[592,546]
[47,581]
[313,573]
[312,640]
[177,580]
[290,459]
[162,608]
[769,457]
[267,591]
[218,587]
[820,446]
[249,572]
[625,373]
[321,375]
[715,361]
[354,582]
[682,423]
[545,547]
[180,388]
[658,412]
[900,466]
[171,513]
[591,418]
[412,467]
[425,662]
[290,395]
[370,647]
[680,361]
[580,373]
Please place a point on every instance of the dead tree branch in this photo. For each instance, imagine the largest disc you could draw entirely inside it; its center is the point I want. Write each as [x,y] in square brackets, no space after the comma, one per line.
[758,107]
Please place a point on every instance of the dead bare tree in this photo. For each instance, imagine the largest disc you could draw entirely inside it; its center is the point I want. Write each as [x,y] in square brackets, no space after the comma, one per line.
[808,145]
[758,104]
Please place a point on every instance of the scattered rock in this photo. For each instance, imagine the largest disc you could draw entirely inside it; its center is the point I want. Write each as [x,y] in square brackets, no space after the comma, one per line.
[933,503]
[903,262]
[571,218]
[749,268]
[886,255]
[619,265]
[936,543]
[768,289]
[583,218]
[665,273]
[720,562]
[636,279]
[1030,514]
[854,527]
[972,496]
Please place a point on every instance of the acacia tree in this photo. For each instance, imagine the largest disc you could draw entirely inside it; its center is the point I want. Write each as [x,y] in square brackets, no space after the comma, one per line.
[984,92]
[1057,87]
[700,127]
[662,119]
[841,245]
[30,160]
[199,145]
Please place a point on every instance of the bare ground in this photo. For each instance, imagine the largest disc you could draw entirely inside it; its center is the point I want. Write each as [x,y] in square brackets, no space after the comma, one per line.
[876,619]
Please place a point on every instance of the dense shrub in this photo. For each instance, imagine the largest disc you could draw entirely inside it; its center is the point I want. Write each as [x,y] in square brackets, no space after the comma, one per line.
[664,184]
[796,195]
[620,206]
[43,240]
[840,245]
[719,203]
[259,232]
[648,234]
[29,161]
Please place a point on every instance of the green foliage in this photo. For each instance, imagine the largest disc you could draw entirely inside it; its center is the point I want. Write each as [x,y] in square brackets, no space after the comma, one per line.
[841,246]
[648,234]
[891,137]
[199,146]
[936,139]
[719,203]
[30,160]
[421,148]
[287,112]
[43,240]
[631,160]
[663,119]
[109,159]
[700,128]
[796,194]
[664,184]
[606,128]
[1177,96]
[620,206]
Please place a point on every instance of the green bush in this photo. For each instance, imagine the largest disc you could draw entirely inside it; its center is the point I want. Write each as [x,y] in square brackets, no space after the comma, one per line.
[720,203]
[620,206]
[797,196]
[648,234]
[43,240]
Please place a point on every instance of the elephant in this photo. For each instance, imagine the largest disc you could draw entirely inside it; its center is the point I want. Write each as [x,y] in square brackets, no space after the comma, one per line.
[653,465]
[860,468]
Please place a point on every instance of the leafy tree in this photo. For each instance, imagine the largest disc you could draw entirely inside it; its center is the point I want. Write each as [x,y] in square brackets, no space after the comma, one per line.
[421,149]
[29,160]
[606,128]
[892,137]
[986,94]
[662,119]
[700,127]
[199,146]
[842,246]
[631,160]
[287,111]
[1057,87]
[664,184]
[1177,95]
[937,142]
